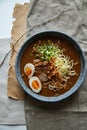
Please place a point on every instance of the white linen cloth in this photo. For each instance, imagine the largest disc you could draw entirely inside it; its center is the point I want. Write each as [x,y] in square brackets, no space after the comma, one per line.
[11,111]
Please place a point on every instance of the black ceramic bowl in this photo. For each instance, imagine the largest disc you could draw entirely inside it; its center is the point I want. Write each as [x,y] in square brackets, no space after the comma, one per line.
[69,92]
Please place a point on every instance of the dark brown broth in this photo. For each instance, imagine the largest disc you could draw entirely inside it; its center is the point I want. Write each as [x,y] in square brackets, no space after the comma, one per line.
[69,51]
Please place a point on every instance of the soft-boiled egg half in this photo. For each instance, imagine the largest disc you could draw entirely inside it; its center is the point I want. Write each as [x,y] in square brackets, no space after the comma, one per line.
[29,70]
[35,84]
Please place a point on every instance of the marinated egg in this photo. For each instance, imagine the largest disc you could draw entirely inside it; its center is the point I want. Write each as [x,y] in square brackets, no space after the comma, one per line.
[35,84]
[29,69]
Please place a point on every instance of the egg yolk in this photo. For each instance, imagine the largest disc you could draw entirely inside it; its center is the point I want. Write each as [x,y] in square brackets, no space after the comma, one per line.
[35,84]
[28,71]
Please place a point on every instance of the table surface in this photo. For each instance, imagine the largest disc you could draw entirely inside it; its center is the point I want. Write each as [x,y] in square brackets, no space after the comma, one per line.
[35,114]
[4,127]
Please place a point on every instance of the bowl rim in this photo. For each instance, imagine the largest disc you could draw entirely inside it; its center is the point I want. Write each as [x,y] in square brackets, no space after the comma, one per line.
[54,98]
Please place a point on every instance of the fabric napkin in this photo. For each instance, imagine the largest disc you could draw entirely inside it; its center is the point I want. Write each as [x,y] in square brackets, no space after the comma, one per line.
[11,111]
[69,17]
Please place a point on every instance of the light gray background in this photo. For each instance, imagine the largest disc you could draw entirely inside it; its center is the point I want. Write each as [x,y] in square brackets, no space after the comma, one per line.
[6,7]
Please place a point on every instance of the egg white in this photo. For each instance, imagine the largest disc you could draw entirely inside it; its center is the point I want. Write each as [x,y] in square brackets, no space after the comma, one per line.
[31,66]
[39,82]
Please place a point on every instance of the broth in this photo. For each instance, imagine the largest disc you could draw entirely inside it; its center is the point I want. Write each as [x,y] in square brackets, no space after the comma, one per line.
[68,50]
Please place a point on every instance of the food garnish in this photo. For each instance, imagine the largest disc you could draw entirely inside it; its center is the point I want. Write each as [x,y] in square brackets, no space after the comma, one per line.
[52,53]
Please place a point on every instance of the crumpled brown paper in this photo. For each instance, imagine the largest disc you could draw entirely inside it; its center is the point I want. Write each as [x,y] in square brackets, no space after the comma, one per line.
[19,27]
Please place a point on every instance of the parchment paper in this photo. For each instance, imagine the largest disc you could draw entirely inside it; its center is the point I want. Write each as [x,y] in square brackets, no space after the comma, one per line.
[70,17]
[12,111]
[19,27]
